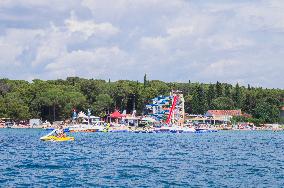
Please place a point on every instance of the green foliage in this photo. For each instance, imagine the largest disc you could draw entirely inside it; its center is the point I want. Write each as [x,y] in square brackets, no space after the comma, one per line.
[199,101]
[145,80]
[188,103]
[267,112]
[282,120]
[12,106]
[210,96]
[71,100]
[103,104]
[223,103]
[55,99]
[242,119]
[219,89]
[4,87]
[227,91]
[237,96]
[249,103]
[237,119]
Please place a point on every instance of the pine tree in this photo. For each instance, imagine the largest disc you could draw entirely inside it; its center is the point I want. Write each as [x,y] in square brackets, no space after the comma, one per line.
[237,96]
[227,91]
[249,103]
[145,80]
[199,101]
[219,89]
[210,95]
[249,87]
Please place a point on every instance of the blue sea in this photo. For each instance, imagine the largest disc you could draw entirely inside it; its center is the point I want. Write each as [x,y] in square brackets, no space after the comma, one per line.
[220,159]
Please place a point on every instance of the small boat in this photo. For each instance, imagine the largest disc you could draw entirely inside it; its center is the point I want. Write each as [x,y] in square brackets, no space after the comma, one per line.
[97,126]
[174,129]
[205,131]
[52,137]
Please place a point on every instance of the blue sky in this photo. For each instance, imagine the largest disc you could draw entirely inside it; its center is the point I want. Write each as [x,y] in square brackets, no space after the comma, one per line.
[171,40]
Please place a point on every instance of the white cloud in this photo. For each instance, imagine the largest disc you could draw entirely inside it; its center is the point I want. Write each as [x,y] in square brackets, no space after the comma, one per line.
[51,46]
[14,43]
[226,42]
[90,28]
[54,42]
[181,30]
[59,5]
[224,68]
[115,10]
[122,39]
[99,63]
[154,43]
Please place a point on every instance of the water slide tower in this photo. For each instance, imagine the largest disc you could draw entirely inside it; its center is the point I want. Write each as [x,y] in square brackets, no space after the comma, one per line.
[169,109]
[176,113]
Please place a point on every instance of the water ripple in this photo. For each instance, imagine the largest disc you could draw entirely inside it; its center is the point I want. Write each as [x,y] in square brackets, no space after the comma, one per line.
[222,159]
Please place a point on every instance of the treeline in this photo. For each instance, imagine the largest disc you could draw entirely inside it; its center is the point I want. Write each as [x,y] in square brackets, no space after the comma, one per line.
[55,99]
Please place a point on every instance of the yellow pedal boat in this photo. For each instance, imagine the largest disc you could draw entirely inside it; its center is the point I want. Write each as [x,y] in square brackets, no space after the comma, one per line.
[52,136]
[57,139]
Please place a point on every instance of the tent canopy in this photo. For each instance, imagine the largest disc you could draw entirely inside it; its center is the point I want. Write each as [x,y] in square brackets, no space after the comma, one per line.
[117,114]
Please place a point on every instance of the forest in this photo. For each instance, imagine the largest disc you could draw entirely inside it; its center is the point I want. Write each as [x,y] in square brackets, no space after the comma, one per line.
[55,99]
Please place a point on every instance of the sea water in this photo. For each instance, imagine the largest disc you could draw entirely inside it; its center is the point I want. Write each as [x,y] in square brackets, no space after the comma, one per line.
[221,159]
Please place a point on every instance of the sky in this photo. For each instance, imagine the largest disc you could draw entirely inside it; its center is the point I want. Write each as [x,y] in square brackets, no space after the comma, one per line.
[171,40]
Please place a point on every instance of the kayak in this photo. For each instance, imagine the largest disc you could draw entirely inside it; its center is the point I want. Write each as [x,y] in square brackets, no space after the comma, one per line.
[57,139]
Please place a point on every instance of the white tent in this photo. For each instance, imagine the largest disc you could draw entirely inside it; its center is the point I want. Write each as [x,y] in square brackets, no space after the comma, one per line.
[82,115]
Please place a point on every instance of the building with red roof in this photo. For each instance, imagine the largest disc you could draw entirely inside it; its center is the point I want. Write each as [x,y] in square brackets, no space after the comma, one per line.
[223,115]
[224,112]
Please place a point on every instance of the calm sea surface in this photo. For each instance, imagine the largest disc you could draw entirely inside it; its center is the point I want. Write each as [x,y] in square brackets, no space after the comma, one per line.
[222,159]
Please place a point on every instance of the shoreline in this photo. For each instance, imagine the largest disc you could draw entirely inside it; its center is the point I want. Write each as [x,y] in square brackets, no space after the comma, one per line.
[112,129]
